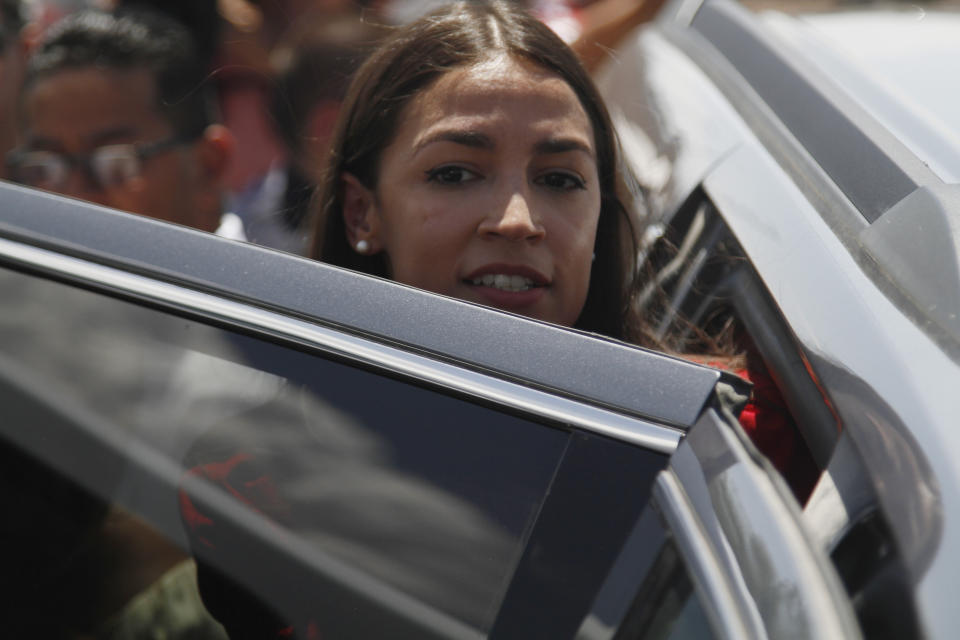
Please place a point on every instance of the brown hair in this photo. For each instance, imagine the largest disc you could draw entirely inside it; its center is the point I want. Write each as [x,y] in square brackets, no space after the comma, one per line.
[457,36]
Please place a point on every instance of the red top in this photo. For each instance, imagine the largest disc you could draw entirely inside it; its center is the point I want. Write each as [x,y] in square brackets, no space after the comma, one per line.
[773,431]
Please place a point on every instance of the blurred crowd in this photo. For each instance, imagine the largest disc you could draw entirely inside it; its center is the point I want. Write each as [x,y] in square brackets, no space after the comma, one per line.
[216,114]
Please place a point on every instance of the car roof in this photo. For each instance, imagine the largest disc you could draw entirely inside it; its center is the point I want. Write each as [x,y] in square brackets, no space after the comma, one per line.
[895,63]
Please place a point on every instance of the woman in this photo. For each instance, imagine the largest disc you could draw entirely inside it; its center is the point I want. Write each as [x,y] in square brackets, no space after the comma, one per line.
[477,160]
[473,158]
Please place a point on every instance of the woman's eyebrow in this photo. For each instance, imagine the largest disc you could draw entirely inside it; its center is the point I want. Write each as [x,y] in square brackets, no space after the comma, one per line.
[561,145]
[473,139]
[478,140]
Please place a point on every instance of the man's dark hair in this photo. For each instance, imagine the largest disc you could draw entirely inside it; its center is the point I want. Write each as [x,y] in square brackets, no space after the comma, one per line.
[128,42]
[11,15]
[200,17]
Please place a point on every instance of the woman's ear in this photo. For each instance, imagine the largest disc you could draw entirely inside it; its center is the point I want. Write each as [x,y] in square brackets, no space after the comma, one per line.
[360,215]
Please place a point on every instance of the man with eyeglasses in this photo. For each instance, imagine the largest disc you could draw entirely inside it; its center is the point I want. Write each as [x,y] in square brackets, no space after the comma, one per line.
[13,54]
[115,110]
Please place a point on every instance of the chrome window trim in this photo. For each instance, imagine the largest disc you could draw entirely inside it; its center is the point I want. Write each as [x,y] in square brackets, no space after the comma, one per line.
[753,520]
[721,607]
[660,438]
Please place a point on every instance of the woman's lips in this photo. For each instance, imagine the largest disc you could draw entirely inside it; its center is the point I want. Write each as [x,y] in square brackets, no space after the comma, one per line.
[509,287]
[504,282]
[509,270]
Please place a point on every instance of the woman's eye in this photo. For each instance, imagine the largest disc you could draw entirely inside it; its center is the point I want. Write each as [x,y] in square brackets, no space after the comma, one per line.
[561,181]
[451,175]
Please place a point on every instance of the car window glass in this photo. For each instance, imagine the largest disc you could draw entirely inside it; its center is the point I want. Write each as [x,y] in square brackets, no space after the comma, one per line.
[675,610]
[648,593]
[425,493]
[691,622]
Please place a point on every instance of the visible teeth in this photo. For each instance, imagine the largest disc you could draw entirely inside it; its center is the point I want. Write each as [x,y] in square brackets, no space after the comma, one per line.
[504,282]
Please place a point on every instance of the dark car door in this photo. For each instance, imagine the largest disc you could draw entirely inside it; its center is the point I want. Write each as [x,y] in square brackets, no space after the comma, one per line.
[375,461]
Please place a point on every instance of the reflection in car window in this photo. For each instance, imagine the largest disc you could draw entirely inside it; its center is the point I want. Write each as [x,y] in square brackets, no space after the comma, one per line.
[673,611]
[648,593]
[428,494]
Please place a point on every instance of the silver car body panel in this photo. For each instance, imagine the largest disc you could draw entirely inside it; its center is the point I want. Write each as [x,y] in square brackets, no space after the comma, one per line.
[889,374]
[840,317]
[893,63]
[657,141]
[770,561]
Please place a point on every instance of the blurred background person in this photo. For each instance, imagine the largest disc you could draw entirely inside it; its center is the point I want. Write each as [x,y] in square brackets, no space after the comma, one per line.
[274,70]
[115,110]
[13,53]
[244,77]
[594,28]
[200,17]
[277,16]
[43,13]
[233,53]
[604,24]
[311,66]
[112,111]
[241,42]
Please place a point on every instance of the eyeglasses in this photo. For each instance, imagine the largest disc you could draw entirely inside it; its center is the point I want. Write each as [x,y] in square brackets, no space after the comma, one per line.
[108,167]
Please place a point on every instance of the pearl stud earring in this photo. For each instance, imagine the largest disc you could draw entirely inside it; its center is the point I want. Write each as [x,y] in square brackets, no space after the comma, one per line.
[362,246]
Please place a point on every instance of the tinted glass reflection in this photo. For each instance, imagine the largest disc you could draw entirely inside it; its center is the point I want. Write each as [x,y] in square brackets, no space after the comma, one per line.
[648,593]
[427,494]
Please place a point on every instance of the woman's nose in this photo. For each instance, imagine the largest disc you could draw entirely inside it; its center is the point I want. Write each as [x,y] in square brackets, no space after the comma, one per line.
[514,220]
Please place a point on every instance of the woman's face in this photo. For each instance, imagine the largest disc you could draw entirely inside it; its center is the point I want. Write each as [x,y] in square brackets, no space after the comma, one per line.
[489,192]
